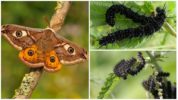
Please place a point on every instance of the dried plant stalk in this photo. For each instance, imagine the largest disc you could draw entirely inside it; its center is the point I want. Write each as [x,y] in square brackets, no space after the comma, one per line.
[58,18]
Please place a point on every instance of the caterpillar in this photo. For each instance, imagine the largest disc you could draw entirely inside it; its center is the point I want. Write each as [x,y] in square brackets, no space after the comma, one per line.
[127,12]
[125,67]
[150,85]
[160,88]
[163,74]
[140,66]
[154,24]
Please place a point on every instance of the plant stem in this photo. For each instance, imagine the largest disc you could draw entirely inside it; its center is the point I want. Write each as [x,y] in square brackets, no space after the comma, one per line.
[170,29]
[158,68]
[28,84]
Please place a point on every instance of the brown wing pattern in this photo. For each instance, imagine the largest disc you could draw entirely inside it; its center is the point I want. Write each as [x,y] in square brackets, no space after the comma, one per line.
[41,47]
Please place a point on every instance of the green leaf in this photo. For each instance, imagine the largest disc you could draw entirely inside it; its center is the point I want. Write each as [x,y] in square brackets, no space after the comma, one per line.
[158,40]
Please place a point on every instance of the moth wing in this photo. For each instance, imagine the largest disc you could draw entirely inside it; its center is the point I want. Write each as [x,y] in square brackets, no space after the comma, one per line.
[21,37]
[32,57]
[68,52]
[51,62]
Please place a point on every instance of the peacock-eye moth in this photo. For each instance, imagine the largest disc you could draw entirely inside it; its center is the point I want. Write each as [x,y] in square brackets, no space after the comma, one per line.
[42,47]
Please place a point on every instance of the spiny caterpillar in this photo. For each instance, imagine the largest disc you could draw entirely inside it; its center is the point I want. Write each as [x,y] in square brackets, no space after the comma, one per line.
[125,67]
[127,12]
[160,87]
[149,25]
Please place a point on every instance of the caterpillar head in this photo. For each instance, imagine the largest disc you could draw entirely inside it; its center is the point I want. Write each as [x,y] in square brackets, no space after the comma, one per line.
[160,11]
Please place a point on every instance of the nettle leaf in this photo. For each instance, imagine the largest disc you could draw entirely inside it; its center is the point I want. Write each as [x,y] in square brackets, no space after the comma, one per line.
[99,28]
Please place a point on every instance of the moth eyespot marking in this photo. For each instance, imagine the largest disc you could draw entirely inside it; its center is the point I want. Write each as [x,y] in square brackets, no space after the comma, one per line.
[30,55]
[69,49]
[19,34]
[52,59]
[30,52]
[52,62]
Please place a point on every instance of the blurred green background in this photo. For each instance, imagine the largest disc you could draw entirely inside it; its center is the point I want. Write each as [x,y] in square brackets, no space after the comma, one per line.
[159,40]
[72,80]
[103,62]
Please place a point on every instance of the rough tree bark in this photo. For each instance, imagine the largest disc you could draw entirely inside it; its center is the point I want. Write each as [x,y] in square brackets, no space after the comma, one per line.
[30,79]
[28,84]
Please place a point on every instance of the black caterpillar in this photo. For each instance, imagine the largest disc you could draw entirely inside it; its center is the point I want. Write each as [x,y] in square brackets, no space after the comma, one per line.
[127,12]
[163,74]
[150,25]
[165,87]
[125,67]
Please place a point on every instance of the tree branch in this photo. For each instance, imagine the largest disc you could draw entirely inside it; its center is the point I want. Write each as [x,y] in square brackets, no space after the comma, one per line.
[28,84]
[58,18]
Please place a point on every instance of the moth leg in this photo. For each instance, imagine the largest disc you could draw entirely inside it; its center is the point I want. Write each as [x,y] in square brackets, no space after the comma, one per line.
[30,56]
[52,62]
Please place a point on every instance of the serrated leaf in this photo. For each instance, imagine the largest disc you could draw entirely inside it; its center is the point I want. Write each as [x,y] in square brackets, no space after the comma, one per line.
[99,28]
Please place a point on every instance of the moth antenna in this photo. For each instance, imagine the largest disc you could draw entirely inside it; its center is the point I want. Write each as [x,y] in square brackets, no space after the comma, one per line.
[46,19]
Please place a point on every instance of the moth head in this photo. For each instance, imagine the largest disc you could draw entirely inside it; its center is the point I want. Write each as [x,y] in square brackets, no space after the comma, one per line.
[69,53]
[17,35]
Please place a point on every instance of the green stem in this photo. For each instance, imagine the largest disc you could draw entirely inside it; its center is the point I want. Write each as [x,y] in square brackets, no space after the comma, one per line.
[109,85]
[153,60]
[170,29]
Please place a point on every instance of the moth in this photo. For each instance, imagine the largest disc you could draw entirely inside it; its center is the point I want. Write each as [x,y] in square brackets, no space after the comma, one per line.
[42,47]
